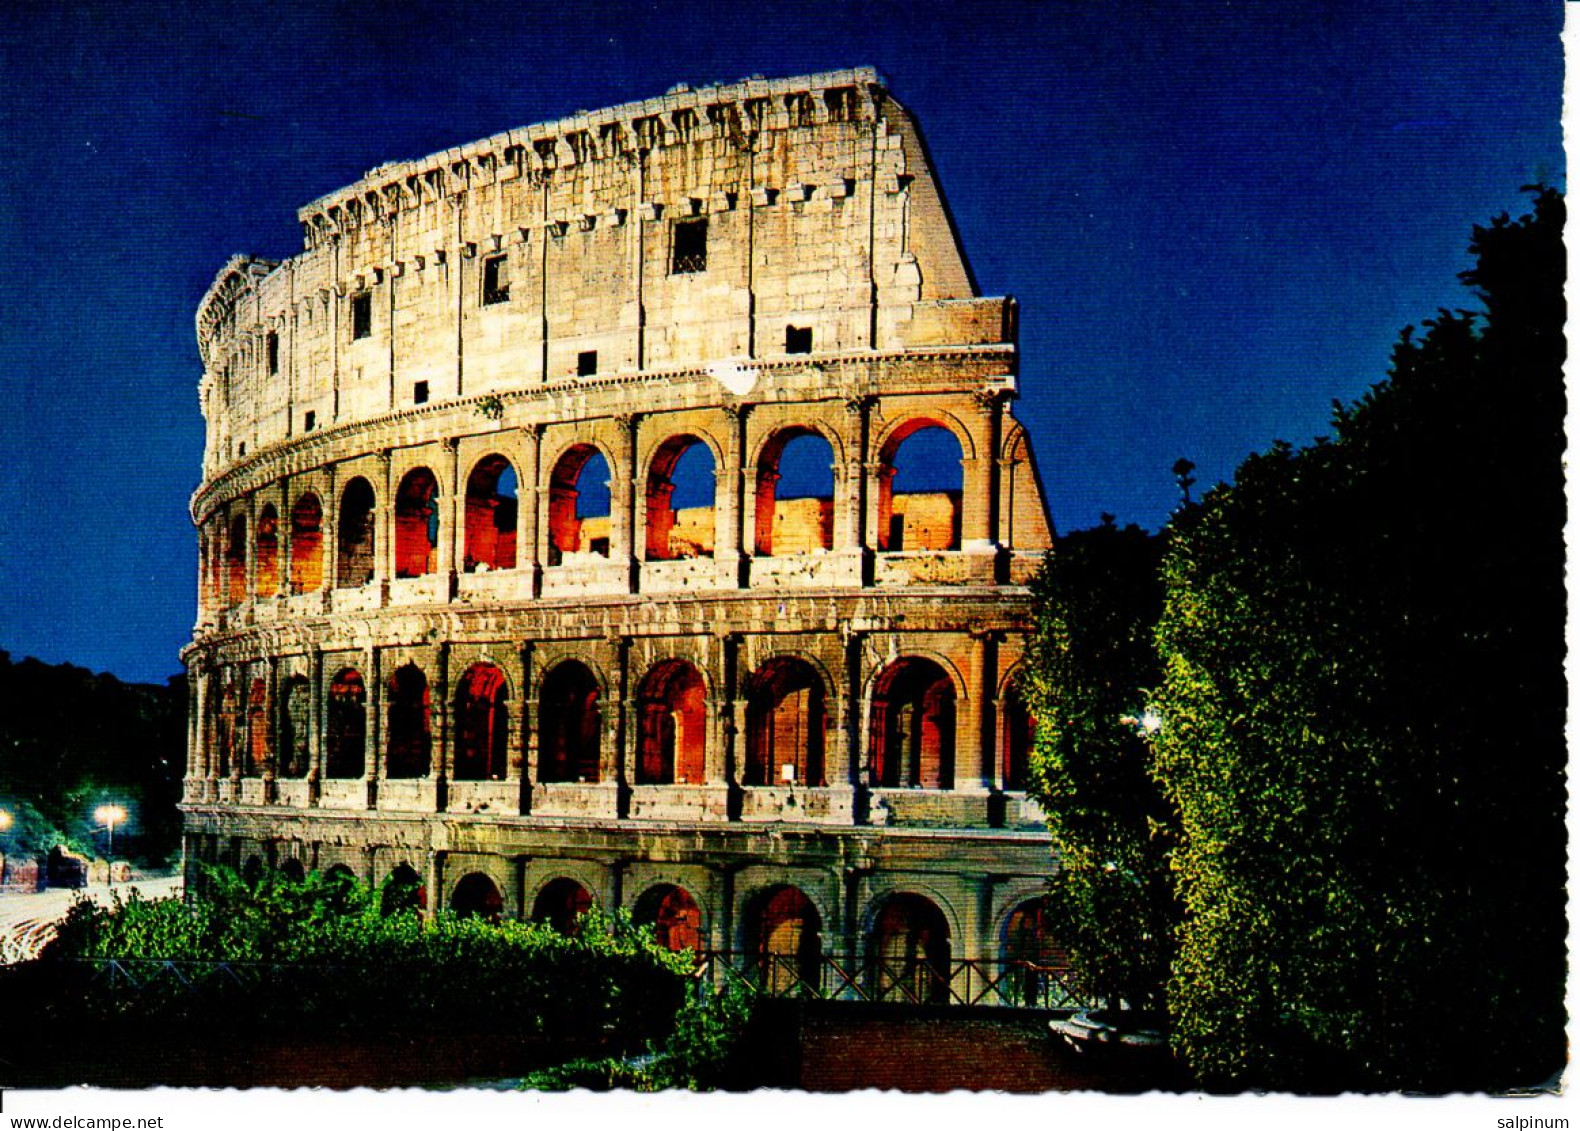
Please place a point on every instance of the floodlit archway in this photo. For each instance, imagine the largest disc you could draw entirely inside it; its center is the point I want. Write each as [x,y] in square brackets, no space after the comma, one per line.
[569,725]
[307,544]
[672,726]
[795,494]
[913,726]
[786,725]
[482,725]
[680,500]
[785,936]
[257,730]
[266,567]
[674,915]
[579,504]
[919,488]
[491,507]
[416,523]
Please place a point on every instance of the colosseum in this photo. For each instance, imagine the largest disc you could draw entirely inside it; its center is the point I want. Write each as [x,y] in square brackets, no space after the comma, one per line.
[629,511]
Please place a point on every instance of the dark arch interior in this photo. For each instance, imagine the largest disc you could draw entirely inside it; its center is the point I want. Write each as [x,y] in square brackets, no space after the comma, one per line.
[910,944]
[346,735]
[356,532]
[307,544]
[569,725]
[402,891]
[478,895]
[560,904]
[579,504]
[409,738]
[785,932]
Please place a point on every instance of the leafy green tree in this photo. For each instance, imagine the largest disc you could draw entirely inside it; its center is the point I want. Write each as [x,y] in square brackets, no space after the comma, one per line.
[1362,718]
[1093,668]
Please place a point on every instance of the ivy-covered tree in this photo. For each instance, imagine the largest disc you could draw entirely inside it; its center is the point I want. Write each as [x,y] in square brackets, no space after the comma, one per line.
[1093,667]
[1362,718]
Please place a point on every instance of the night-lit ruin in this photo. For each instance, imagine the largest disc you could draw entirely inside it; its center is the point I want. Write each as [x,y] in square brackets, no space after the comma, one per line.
[629,511]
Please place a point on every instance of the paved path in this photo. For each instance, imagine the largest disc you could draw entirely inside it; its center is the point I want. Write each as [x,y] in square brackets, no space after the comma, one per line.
[27,919]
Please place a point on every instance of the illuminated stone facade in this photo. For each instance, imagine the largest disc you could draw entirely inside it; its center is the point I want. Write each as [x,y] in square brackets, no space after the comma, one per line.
[456,620]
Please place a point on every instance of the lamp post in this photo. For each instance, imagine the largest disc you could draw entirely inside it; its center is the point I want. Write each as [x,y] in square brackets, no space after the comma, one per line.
[109,816]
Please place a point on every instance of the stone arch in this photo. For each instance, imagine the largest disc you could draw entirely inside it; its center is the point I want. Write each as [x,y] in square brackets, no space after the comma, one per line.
[793,524]
[482,725]
[672,725]
[408,734]
[1018,730]
[570,726]
[921,518]
[292,869]
[307,544]
[784,935]
[786,723]
[258,744]
[295,709]
[476,894]
[674,914]
[346,733]
[1036,960]
[227,723]
[416,523]
[560,903]
[570,529]
[236,562]
[402,890]
[490,523]
[266,553]
[687,532]
[909,946]
[913,725]
[356,534]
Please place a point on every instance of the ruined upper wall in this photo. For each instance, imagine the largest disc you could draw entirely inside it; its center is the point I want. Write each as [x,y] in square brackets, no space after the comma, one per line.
[744,221]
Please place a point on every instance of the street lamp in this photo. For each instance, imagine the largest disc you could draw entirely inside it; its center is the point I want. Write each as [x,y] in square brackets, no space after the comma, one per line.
[5,820]
[109,816]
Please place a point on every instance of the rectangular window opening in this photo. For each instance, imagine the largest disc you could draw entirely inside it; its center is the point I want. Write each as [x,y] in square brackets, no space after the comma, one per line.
[496,287]
[273,348]
[798,339]
[691,247]
[310,421]
[587,363]
[419,393]
[362,315]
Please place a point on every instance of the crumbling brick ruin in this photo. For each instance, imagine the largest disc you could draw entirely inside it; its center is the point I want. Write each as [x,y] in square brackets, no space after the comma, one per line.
[563,542]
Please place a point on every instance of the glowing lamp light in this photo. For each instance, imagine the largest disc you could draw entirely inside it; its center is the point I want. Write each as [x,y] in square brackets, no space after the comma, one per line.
[109,816]
[5,820]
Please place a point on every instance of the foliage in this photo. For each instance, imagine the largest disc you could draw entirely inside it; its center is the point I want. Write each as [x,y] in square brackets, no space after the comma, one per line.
[705,1051]
[1362,718]
[71,740]
[332,959]
[1111,905]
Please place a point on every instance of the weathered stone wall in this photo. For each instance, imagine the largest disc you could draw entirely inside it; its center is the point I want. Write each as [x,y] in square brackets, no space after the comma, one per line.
[396,662]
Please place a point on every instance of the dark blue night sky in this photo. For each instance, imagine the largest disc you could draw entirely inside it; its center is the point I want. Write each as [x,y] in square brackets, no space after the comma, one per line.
[1217,216]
